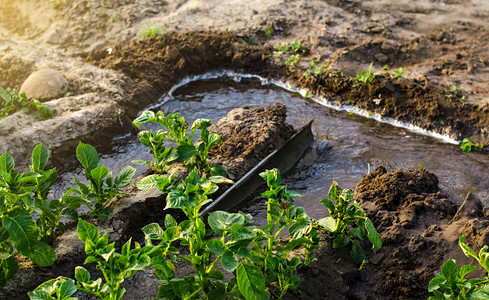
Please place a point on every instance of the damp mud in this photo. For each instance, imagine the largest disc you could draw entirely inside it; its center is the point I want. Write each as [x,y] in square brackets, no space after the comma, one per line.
[111,74]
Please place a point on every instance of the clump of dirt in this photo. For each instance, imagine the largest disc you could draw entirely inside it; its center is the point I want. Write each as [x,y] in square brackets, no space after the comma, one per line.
[419,226]
[249,135]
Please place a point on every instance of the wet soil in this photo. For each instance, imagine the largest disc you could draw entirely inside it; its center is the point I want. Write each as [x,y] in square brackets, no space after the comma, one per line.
[112,76]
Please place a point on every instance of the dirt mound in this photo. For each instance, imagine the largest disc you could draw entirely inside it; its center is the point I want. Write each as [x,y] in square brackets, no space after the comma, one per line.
[248,135]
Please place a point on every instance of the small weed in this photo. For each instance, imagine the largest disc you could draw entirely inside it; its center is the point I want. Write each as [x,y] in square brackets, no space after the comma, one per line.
[113,17]
[442,122]
[467,145]
[352,103]
[293,60]
[268,31]
[455,91]
[399,73]
[421,167]
[150,30]
[365,77]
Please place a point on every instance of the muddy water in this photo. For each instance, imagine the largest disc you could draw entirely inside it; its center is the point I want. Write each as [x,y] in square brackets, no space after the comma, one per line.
[347,146]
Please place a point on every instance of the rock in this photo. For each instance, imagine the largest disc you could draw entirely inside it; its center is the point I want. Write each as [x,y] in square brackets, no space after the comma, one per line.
[45,84]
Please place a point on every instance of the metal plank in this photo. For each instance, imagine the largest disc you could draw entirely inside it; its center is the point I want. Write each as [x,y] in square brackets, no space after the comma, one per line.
[283,159]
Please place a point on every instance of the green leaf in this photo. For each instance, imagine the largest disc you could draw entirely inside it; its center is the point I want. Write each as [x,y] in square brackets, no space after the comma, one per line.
[98,174]
[154,231]
[45,112]
[87,232]
[170,221]
[145,137]
[124,177]
[145,116]
[436,282]
[221,221]
[147,183]
[251,282]
[334,191]
[7,163]
[329,205]
[229,262]
[87,156]
[40,157]
[185,152]
[22,230]
[40,295]
[82,275]
[299,229]
[43,255]
[450,270]
[466,249]
[173,233]
[357,254]
[175,199]
[8,267]
[213,139]
[6,250]
[216,246]
[327,223]
[201,124]
[340,241]
[3,234]
[466,269]
[373,236]
[67,288]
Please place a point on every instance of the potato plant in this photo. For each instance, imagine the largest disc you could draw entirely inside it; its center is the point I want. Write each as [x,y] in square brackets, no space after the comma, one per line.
[192,154]
[348,223]
[11,102]
[115,267]
[254,256]
[21,194]
[102,187]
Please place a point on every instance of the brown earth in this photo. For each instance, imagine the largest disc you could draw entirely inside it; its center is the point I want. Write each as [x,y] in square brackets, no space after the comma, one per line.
[112,75]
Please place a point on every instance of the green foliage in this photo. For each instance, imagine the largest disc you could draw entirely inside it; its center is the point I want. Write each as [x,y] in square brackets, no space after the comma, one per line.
[268,31]
[115,267]
[293,49]
[467,145]
[399,73]
[348,223]
[102,187]
[192,154]
[451,282]
[21,195]
[455,92]
[254,256]
[61,288]
[150,30]
[365,77]
[12,102]
[292,60]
